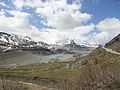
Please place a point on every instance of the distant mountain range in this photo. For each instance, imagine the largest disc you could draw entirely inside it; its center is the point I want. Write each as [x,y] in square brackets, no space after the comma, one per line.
[71,45]
[12,42]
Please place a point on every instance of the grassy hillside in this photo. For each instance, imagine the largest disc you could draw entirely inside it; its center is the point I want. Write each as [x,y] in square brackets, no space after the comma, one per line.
[99,56]
[101,72]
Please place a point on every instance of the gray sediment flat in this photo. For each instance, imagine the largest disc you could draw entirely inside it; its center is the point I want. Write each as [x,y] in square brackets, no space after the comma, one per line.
[24,57]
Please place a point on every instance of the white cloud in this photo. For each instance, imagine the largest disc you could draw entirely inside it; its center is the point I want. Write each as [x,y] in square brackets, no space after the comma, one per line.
[2,12]
[68,20]
[31,3]
[2,3]
[51,36]
[109,28]
[109,25]
[62,15]
[84,29]
[17,24]
[102,37]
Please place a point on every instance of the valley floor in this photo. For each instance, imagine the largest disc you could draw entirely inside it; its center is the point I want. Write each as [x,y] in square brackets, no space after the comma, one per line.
[101,71]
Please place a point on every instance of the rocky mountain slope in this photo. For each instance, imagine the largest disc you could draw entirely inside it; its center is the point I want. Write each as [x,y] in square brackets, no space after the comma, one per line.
[114,44]
[12,41]
[72,45]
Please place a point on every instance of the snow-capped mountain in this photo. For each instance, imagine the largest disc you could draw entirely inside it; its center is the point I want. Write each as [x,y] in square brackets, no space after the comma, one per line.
[69,44]
[12,41]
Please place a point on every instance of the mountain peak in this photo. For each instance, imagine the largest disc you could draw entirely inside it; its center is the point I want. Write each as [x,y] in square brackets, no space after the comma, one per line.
[72,42]
[19,41]
[76,42]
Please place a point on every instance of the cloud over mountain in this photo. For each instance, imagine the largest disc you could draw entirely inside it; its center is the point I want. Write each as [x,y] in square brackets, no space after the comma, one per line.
[54,20]
[110,27]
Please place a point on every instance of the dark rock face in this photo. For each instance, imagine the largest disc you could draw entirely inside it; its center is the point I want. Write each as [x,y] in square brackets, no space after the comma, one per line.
[113,41]
[114,44]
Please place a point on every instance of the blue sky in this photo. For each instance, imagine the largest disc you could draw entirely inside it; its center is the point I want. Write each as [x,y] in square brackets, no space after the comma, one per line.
[102,9]
[95,21]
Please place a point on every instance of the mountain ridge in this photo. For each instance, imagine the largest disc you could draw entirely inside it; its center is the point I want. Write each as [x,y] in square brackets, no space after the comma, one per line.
[114,44]
[12,41]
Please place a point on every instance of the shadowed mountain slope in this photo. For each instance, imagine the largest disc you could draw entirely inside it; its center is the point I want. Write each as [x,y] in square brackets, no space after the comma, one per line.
[114,44]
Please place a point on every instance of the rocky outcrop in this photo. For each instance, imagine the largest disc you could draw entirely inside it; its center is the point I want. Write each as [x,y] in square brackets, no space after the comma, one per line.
[114,44]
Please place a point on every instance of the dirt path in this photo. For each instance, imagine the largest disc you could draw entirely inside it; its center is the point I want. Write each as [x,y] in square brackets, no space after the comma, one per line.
[111,51]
